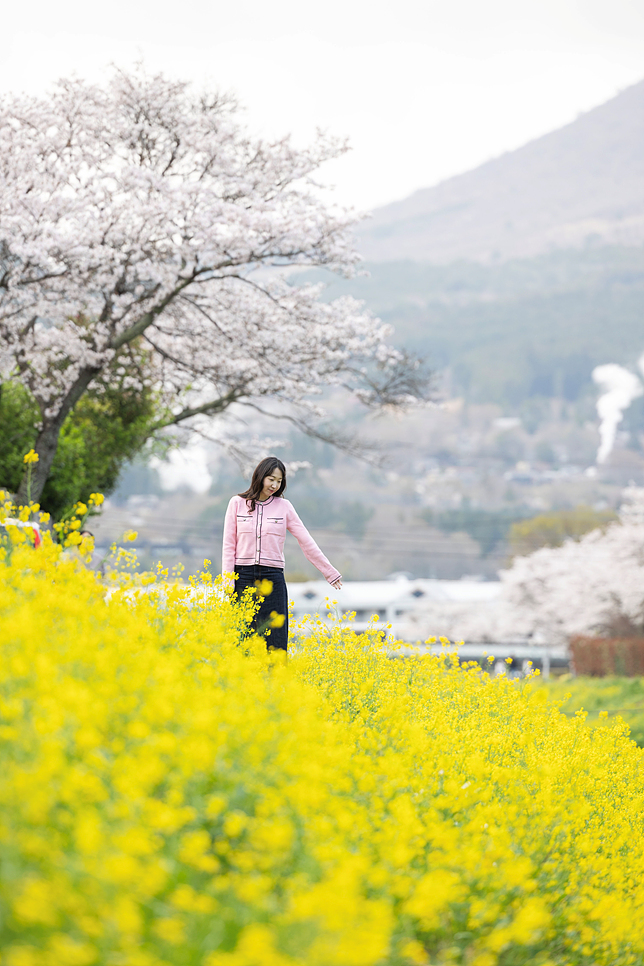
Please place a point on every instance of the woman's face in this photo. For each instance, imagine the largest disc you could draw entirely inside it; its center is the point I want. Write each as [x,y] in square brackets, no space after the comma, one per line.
[272,483]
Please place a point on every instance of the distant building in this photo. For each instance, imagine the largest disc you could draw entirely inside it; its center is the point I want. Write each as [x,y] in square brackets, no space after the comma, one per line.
[396,601]
[418,609]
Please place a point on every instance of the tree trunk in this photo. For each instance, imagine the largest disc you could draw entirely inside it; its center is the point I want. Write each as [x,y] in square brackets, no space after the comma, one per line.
[47,442]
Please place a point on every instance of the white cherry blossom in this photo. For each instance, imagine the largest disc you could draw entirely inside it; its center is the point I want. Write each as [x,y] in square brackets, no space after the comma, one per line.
[594,585]
[141,213]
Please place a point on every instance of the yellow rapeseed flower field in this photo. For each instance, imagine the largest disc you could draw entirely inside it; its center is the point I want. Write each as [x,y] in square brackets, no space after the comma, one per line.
[171,795]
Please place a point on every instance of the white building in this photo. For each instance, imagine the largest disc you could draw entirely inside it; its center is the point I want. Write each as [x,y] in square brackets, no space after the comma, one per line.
[399,601]
[418,609]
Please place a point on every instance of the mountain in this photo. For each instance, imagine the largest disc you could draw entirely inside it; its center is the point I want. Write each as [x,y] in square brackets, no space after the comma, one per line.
[579,186]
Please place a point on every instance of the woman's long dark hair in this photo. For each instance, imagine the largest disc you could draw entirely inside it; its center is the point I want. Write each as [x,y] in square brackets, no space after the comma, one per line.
[261,471]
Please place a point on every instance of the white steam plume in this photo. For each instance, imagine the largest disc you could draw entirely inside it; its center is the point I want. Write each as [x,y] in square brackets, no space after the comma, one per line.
[620,387]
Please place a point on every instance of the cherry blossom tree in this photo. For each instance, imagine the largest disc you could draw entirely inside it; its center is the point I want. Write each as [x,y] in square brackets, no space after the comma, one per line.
[594,585]
[141,217]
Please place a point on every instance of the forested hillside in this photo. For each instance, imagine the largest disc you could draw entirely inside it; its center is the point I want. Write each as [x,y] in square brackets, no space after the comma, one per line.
[516,331]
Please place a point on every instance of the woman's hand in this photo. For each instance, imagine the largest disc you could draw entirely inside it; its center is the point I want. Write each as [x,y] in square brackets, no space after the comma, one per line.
[337,584]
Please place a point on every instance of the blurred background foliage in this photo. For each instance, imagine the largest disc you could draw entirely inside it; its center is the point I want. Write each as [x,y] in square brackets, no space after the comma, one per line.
[552,529]
[487,527]
[524,531]
[108,427]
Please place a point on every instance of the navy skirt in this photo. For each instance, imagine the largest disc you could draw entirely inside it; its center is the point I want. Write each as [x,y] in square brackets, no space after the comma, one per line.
[277,601]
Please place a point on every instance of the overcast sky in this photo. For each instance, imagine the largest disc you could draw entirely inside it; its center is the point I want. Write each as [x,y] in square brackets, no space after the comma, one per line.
[424,89]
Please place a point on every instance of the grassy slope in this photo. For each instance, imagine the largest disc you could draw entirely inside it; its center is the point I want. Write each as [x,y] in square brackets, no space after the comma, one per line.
[617,696]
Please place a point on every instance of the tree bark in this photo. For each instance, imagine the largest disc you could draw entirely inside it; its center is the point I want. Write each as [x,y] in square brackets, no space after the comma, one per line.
[47,442]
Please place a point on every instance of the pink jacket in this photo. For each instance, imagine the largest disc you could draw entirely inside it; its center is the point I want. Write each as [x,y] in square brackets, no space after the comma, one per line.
[258,537]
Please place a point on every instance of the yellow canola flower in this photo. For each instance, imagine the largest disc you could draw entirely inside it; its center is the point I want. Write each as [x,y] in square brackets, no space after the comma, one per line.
[172,793]
[30,457]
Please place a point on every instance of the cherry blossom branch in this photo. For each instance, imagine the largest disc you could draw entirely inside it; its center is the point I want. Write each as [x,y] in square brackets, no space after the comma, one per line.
[209,408]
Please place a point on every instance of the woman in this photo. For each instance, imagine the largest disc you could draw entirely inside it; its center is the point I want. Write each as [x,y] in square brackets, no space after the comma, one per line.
[254,533]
